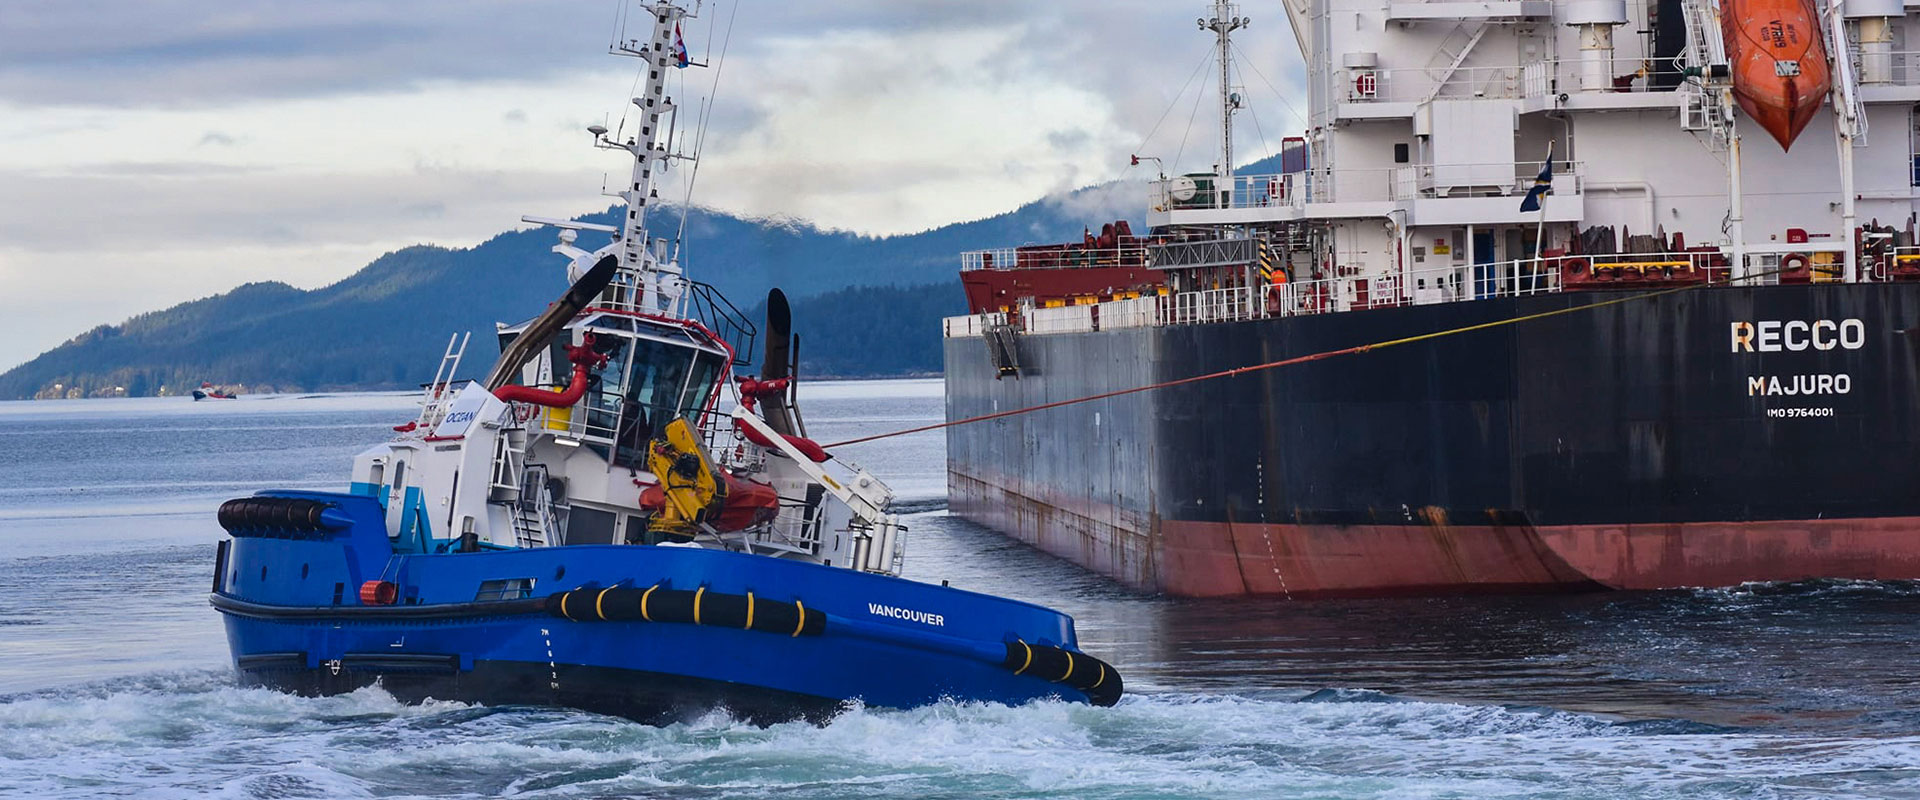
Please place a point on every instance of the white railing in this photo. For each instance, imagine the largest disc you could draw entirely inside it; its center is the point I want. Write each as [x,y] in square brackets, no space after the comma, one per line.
[972,324]
[1441,180]
[1062,319]
[1416,85]
[1424,286]
[996,258]
[1555,76]
[1536,80]
[1214,305]
[1395,184]
[1901,67]
[1053,257]
[1289,190]
[1135,312]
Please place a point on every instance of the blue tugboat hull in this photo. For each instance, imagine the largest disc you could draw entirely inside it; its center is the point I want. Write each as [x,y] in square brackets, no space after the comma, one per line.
[295,621]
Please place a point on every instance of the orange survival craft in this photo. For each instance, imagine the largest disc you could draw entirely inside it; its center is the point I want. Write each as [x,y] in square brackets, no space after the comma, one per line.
[1779,62]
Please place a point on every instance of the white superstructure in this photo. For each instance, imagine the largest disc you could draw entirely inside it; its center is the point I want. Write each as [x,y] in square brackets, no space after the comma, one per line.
[1430,119]
[603,422]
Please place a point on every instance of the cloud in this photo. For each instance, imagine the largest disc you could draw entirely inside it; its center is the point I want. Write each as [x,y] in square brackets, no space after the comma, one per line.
[271,139]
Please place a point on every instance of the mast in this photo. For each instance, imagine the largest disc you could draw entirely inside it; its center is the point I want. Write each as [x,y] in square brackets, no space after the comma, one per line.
[1223,24]
[1849,124]
[659,285]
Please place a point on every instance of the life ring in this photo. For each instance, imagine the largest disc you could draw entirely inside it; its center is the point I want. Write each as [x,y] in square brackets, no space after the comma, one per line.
[1365,85]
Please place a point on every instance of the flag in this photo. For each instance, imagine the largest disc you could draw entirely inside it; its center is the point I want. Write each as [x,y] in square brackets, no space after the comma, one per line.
[1542,185]
[679,49]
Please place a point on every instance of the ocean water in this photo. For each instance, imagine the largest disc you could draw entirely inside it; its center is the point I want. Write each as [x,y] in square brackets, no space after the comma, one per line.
[114,679]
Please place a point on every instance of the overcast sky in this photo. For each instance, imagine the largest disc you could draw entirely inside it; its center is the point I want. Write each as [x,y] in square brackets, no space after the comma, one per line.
[156,151]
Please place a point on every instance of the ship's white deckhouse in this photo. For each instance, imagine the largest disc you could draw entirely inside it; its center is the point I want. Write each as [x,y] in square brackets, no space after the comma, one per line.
[1430,120]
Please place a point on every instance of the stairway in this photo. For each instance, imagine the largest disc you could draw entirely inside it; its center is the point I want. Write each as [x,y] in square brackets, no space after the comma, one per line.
[1707,94]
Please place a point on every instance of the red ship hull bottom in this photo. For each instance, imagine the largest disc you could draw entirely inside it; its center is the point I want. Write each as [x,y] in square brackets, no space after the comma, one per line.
[1217,559]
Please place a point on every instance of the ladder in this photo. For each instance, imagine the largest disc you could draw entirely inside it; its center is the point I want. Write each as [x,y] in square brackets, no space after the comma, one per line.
[532,509]
[1446,61]
[1707,99]
[1846,84]
[508,456]
[436,399]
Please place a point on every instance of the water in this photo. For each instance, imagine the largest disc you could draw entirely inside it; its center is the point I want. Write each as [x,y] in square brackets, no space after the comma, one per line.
[114,681]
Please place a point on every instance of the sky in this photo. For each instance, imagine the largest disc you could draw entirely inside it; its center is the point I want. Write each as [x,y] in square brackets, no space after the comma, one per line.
[158,151]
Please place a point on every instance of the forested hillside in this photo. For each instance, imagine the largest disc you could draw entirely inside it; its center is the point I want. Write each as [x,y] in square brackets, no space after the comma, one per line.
[384,326]
[863,305]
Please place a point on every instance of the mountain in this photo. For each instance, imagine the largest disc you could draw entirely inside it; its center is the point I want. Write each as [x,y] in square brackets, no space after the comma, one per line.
[386,325]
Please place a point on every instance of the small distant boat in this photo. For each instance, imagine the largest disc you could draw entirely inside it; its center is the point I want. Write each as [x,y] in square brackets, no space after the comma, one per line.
[208,391]
[1779,61]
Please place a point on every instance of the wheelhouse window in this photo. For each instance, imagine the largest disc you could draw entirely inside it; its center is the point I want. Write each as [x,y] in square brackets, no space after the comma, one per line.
[662,380]
[706,370]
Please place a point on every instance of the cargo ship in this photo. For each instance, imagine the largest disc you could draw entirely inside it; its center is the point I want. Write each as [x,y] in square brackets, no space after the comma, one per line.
[1679,349]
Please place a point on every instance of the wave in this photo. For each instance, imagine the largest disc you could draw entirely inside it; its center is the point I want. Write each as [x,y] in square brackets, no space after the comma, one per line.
[1819,587]
[918,505]
[196,733]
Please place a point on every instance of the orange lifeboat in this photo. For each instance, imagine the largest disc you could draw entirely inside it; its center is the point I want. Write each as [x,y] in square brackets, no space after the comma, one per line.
[1779,62]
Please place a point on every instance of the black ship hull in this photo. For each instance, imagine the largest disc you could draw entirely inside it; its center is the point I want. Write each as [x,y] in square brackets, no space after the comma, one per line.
[1705,437]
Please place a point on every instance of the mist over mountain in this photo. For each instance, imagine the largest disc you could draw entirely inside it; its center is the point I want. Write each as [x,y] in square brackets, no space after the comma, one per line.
[386,325]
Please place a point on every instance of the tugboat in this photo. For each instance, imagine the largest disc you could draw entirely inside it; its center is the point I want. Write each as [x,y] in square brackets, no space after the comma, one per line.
[588,527]
[208,391]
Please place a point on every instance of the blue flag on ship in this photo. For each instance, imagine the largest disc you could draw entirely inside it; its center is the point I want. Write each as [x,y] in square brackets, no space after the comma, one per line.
[1542,186]
[680,58]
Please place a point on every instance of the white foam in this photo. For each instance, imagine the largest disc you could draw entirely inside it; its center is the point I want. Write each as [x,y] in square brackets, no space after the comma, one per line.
[193,734]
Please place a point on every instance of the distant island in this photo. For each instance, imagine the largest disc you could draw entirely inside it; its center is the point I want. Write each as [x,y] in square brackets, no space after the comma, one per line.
[864,306]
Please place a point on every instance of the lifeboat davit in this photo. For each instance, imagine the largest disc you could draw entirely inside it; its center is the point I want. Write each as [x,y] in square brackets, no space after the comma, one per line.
[1779,62]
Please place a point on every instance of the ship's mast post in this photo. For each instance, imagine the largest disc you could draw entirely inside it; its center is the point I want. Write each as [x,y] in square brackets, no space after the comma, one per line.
[1849,118]
[1736,227]
[659,285]
[1849,217]
[1223,24]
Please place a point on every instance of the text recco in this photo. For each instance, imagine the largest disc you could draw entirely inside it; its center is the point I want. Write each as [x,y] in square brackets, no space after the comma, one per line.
[1795,335]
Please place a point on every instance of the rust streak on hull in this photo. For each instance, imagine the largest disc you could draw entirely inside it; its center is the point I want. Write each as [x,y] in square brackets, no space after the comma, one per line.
[1214,559]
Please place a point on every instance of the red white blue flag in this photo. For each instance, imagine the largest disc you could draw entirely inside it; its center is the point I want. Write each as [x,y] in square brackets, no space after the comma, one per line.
[679,49]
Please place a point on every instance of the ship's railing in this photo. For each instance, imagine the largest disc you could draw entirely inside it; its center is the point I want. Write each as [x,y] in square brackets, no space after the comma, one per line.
[1062,319]
[1132,312]
[1213,305]
[1894,67]
[1457,282]
[1053,258]
[996,258]
[1450,180]
[1414,85]
[579,423]
[1891,264]
[1425,286]
[972,324]
[1288,190]
[1555,76]
[1391,184]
